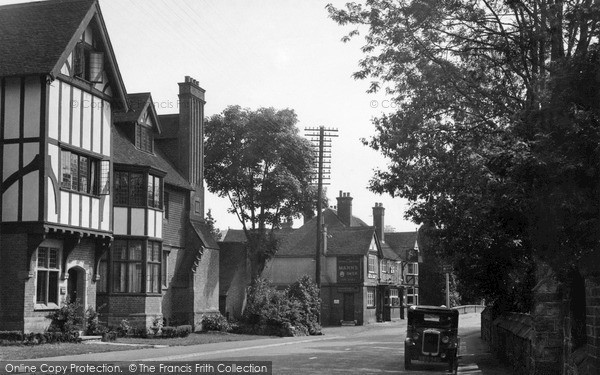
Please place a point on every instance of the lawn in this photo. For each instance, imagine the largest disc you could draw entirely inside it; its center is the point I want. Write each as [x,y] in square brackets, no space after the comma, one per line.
[54,350]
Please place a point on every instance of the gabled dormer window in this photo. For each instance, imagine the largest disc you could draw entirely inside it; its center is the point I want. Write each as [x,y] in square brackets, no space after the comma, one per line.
[88,64]
[144,138]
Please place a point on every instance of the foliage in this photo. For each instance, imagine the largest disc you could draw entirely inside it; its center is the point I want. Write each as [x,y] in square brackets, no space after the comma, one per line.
[495,139]
[215,322]
[291,312]
[211,222]
[124,328]
[37,338]
[258,160]
[67,318]
[93,325]
[179,331]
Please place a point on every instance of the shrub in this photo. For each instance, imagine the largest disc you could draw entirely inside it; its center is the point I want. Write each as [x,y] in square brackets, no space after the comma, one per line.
[183,331]
[292,312]
[67,318]
[216,322]
[109,336]
[11,336]
[124,328]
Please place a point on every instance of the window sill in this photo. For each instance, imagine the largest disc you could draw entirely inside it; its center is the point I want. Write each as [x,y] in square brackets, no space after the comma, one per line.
[44,307]
[97,196]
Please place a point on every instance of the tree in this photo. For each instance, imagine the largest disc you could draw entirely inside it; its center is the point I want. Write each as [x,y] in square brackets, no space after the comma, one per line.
[495,142]
[211,222]
[258,160]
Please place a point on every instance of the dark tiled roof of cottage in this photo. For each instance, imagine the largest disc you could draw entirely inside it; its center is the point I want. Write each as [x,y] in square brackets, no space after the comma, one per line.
[388,252]
[35,35]
[170,126]
[349,241]
[401,242]
[125,152]
[234,235]
[137,103]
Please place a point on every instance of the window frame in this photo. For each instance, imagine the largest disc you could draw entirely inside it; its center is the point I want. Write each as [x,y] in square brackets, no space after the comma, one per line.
[135,192]
[144,138]
[371,298]
[47,270]
[91,180]
[124,276]
[150,269]
[88,64]
[372,265]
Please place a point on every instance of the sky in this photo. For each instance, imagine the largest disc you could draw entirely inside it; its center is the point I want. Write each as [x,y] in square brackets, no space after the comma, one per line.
[258,53]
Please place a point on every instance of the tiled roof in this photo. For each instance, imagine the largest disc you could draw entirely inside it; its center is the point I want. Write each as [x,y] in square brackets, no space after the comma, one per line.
[137,103]
[401,242]
[34,35]
[234,235]
[37,37]
[125,152]
[170,126]
[349,241]
[203,232]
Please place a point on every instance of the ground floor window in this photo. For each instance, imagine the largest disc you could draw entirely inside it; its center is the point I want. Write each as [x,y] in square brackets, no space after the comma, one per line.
[47,276]
[394,297]
[371,297]
[132,266]
[412,296]
[127,266]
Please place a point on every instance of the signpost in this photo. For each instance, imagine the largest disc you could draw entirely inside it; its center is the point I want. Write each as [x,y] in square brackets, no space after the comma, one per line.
[446,268]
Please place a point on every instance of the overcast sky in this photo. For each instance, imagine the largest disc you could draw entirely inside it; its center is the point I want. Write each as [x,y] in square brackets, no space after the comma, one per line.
[268,53]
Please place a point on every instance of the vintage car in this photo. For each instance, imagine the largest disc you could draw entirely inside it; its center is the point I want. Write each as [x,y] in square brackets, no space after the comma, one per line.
[432,336]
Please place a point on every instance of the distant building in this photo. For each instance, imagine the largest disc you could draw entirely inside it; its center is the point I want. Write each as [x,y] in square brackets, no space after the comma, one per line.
[365,273]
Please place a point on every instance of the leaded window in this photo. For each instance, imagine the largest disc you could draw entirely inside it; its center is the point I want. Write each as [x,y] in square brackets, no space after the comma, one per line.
[48,270]
[79,172]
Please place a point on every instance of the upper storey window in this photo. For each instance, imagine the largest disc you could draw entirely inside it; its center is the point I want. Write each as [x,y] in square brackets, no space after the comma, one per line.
[143,134]
[137,189]
[88,64]
[79,173]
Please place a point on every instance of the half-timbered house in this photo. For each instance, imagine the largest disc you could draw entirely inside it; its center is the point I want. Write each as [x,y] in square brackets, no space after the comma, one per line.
[101,202]
[59,83]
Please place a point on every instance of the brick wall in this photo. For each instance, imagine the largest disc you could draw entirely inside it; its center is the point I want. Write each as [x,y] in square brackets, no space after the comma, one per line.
[13,273]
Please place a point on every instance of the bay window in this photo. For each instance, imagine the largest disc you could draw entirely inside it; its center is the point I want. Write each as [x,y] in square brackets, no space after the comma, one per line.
[137,189]
[79,173]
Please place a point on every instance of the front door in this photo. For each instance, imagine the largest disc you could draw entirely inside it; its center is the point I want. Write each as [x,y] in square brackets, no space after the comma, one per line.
[72,285]
[348,307]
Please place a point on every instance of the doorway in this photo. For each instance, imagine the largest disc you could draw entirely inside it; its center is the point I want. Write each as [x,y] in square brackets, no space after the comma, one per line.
[348,307]
[76,289]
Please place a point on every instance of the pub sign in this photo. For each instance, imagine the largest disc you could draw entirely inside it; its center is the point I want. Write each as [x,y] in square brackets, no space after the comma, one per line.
[349,270]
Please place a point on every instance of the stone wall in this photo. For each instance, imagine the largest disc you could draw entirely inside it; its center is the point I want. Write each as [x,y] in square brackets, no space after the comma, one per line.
[510,339]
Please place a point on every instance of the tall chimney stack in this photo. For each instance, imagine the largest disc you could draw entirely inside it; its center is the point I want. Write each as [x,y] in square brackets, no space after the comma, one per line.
[344,208]
[378,220]
[191,140]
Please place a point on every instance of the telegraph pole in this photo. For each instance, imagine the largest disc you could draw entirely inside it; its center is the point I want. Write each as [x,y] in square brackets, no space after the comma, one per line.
[320,139]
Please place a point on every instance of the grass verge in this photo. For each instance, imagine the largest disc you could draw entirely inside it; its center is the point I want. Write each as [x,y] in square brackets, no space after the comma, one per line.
[60,349]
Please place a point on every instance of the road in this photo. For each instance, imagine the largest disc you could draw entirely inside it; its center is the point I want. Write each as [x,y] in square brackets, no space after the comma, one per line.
[372,349]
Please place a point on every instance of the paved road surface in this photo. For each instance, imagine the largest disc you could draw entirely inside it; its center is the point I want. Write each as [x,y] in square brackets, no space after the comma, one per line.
[372,349]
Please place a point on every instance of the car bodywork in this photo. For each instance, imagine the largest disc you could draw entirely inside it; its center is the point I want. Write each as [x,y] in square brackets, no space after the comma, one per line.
[432,336]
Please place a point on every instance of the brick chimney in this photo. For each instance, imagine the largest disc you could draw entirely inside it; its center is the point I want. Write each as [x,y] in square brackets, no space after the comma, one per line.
[378,220]
[190,140]
[344,205]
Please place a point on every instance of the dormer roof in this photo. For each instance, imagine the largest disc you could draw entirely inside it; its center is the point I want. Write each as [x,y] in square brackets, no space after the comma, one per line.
[139,104]
[38,37]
